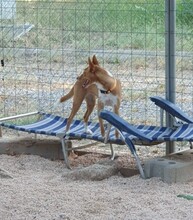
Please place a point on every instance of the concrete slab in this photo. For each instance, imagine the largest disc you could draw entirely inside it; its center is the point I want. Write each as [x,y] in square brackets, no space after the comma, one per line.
[48,148]
[177,167]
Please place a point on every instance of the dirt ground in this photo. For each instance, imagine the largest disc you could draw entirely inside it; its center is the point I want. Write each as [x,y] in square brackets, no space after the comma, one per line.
[33,187]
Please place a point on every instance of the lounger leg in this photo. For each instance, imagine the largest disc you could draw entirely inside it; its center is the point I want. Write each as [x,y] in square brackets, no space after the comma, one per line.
[107,133]
[112,152]
[65,153]
[191,145]
[131,146]
[106,140]
[139,165]
[161,117]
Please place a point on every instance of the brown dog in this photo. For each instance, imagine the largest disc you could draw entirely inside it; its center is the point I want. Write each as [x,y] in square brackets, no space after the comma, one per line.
[94,82]
[79,93]
[109,88]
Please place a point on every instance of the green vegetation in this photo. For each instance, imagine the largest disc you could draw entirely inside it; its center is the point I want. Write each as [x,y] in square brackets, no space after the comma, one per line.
[101,24]
[110,24]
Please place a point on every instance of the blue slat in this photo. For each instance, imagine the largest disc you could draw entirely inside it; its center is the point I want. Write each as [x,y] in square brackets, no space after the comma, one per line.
[171,108]
[52,125]
[149,133]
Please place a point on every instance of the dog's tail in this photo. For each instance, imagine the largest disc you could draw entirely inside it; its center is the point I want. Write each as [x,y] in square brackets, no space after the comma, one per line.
[67,96]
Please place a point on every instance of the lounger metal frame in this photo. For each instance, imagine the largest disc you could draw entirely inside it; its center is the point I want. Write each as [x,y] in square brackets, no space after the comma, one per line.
[48,124]
[130,135]
[182,130]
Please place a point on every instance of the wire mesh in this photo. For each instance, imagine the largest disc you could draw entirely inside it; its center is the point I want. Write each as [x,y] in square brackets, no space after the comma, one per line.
[184,47]
[45,45]
[42,64]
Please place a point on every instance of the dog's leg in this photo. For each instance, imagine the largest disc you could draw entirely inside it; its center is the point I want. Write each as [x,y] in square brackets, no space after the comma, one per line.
[90,101]
[75,107]
[100,107]
[79,95]
[116,110]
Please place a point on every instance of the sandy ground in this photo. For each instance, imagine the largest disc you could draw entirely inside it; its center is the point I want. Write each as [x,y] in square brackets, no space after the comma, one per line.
[33,187]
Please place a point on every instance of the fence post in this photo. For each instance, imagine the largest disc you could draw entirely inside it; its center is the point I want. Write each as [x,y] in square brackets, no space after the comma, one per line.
[170,24]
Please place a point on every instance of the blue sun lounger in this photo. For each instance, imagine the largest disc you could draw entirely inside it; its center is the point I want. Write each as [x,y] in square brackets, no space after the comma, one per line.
[53,125]
[151,135]
[131,135]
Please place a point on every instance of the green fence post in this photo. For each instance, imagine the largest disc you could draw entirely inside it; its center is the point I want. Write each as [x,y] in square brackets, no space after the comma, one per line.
[170,26]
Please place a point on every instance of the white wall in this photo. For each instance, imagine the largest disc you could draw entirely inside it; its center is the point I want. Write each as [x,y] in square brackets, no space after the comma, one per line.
[7,9]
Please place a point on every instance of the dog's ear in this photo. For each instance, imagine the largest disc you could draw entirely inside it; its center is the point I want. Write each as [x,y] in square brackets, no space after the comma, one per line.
[91,65]
[94,60]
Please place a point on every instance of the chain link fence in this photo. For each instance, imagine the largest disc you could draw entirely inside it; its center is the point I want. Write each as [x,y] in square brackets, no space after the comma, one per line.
[45,44]
[184,54]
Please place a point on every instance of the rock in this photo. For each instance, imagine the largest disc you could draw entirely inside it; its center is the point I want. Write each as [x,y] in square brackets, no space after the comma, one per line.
[5,174]
[95,172]
[127,172]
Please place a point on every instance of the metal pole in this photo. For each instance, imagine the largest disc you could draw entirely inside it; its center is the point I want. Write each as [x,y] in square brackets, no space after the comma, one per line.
[170,25]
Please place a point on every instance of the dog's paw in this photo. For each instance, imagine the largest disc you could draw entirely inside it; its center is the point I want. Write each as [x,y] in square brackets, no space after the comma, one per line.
[88,131]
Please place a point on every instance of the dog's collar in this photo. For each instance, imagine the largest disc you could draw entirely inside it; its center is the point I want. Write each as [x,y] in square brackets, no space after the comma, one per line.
[114,85]
[109,90]
[104,91]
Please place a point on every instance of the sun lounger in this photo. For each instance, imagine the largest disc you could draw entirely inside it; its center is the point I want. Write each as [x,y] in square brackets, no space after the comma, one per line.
[131,135]
[149,135]
[53,125]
